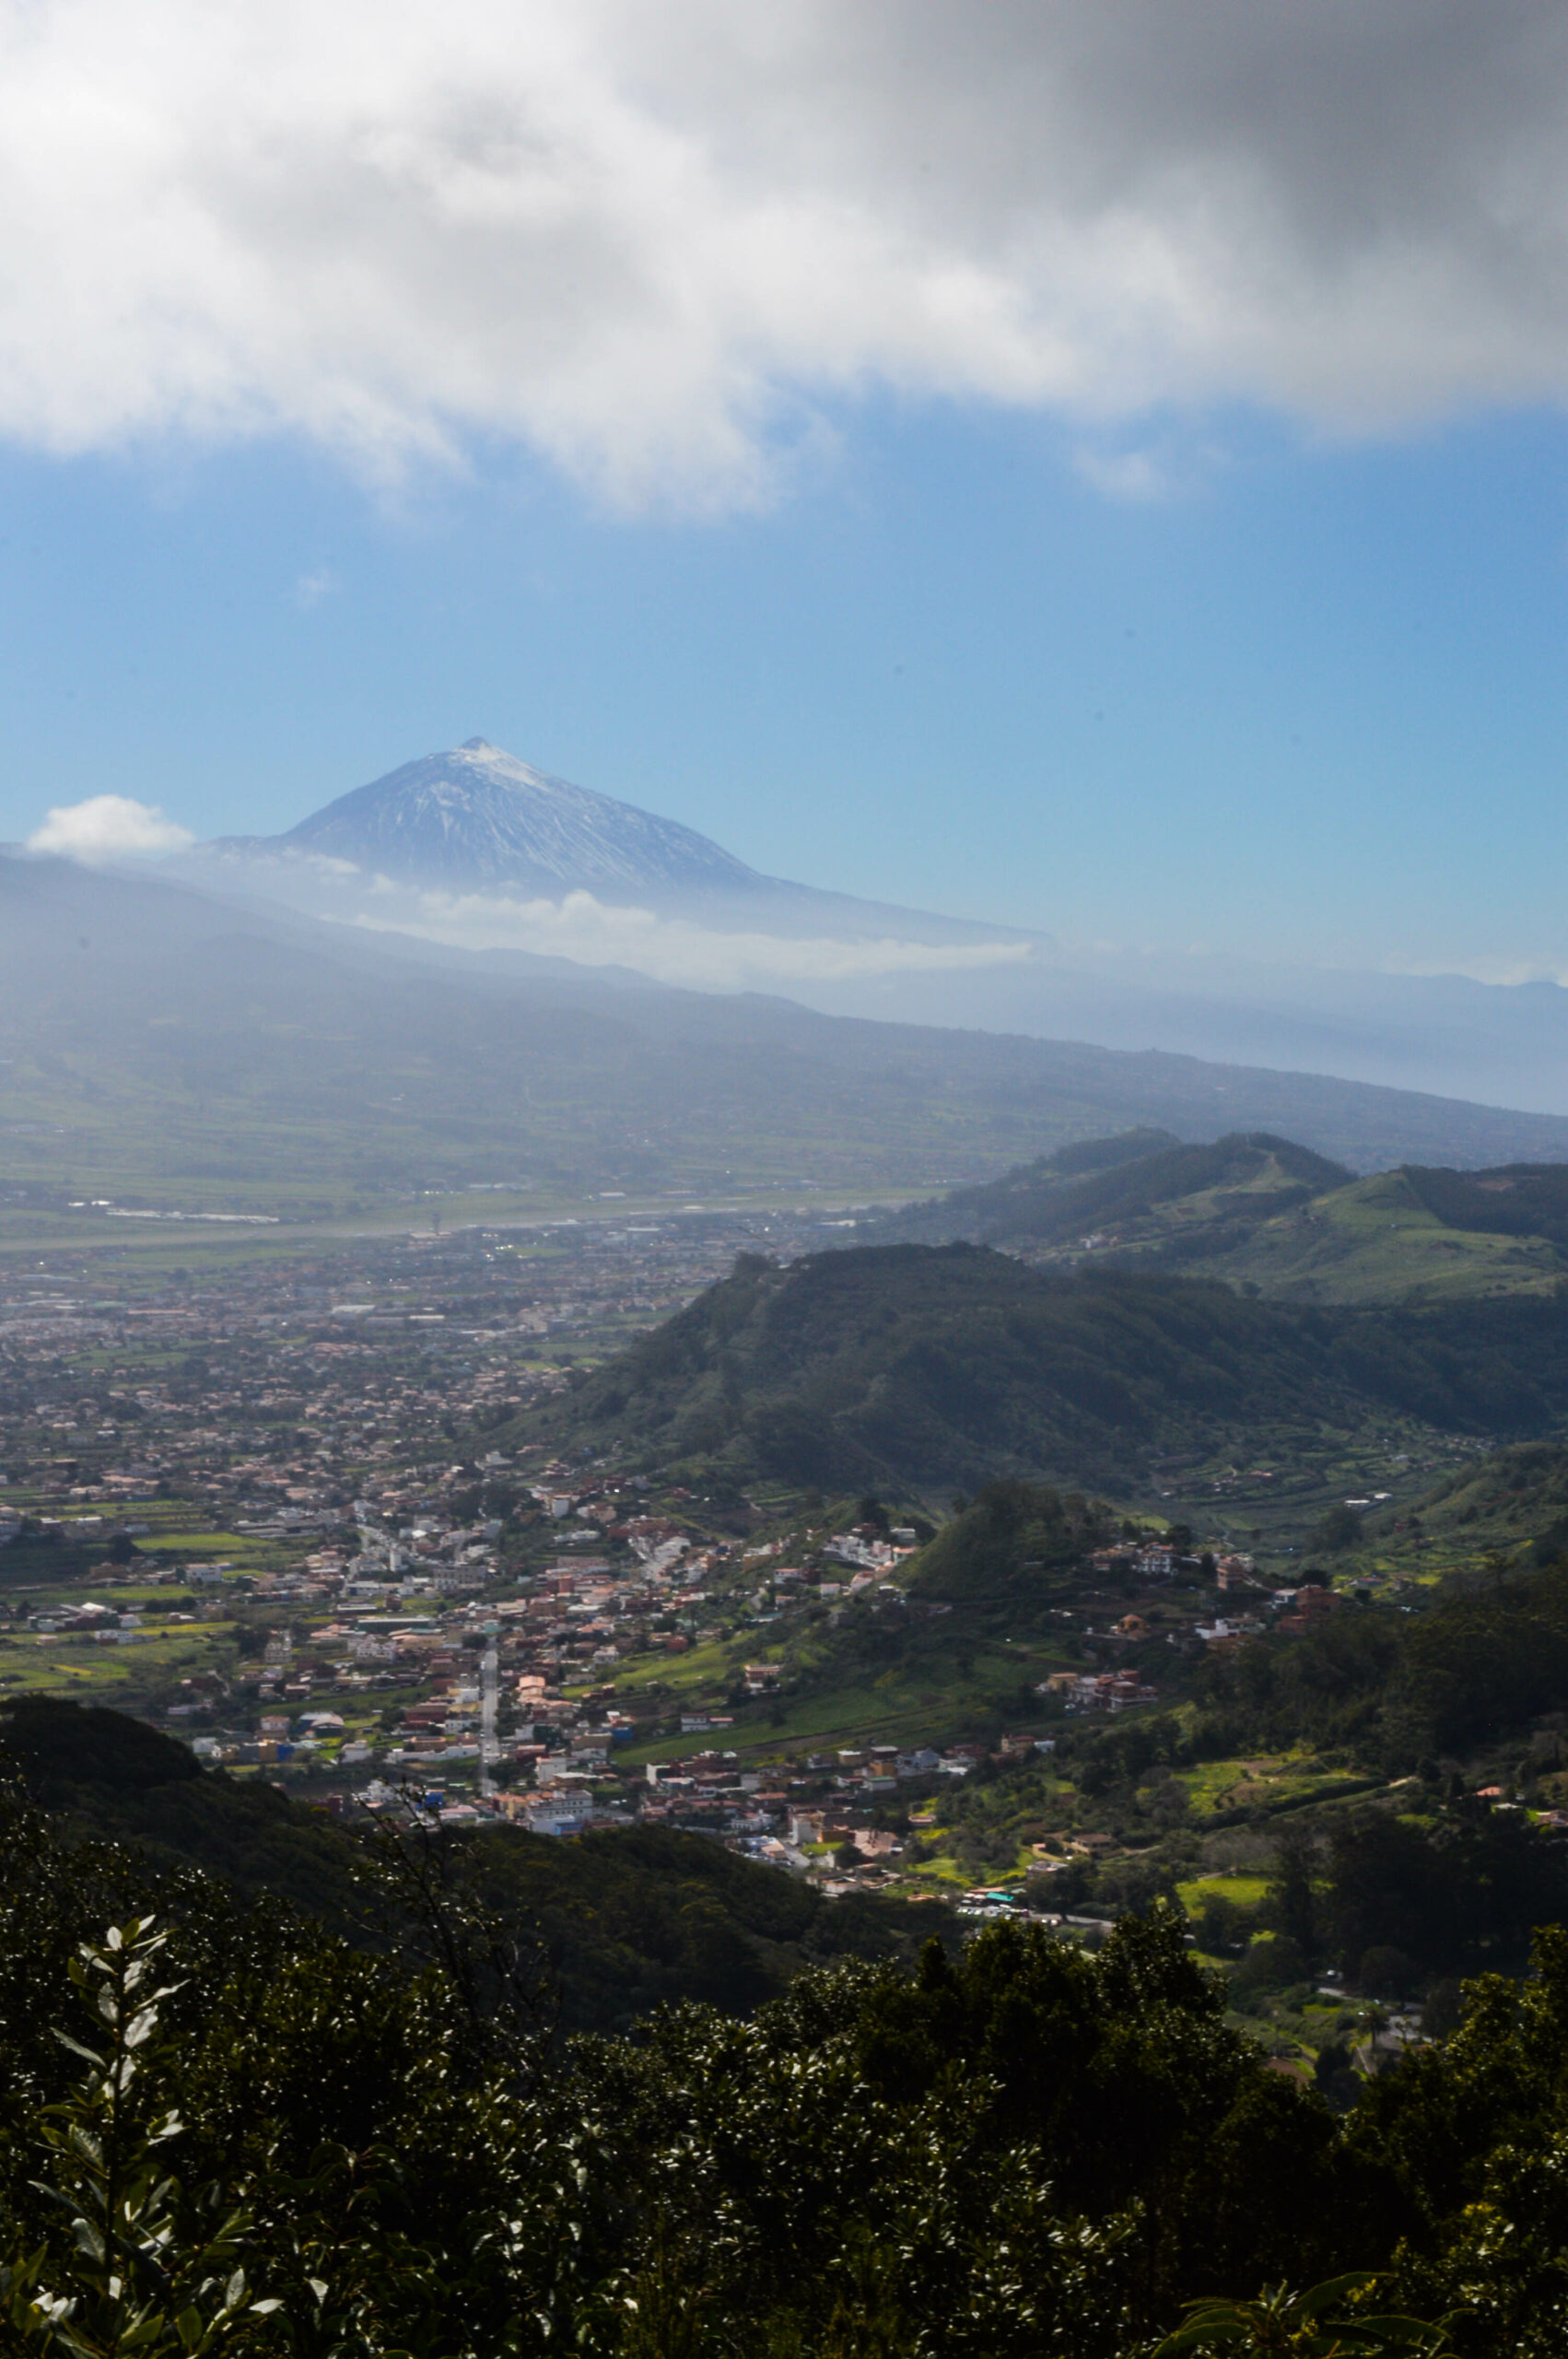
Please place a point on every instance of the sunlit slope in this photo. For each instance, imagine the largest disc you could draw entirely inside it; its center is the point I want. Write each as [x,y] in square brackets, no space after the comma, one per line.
[1510,1506]
[1141,1188]
[1264,1212]
[1377,1241]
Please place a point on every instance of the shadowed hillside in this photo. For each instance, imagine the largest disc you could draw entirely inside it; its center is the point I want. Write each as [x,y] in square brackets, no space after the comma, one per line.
[922,1366]
[629,1918]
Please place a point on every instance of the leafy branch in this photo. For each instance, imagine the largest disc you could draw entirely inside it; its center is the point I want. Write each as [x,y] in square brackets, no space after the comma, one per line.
[144,2270]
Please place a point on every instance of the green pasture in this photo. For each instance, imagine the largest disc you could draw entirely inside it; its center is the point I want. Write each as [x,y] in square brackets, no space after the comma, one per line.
[942,1870]
[934,1704]
[1373,1241]
[1245,1892]
[53,1664]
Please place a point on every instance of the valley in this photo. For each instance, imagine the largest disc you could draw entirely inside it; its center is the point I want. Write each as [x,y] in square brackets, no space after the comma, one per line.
[783,1486]
[167,1051]
[760,1482]
[732,1604]
[859,1557]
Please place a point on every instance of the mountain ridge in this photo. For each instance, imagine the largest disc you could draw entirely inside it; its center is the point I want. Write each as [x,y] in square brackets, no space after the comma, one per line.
[1263,1212]
[151,1036]
[468,847]
[927,1366]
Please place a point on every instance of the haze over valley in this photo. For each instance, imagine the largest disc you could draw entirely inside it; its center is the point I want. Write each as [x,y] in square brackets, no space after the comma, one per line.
[479,851]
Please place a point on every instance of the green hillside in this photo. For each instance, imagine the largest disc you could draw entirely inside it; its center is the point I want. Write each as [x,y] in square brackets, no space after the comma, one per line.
[1378,1241]
[1012,1548]
[921,1366]
[1264,1212]
[1518,1200]
[1512,1498]
[1509,1505]
[1144,1186]
[1482,1666]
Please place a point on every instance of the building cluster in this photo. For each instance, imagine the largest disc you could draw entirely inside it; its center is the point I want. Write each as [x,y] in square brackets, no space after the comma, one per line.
[1102,1691]
[271,1395]
[423,1618]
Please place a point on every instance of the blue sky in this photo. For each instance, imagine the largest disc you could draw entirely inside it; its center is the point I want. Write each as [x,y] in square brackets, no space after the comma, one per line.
[1313,702]
[937,546]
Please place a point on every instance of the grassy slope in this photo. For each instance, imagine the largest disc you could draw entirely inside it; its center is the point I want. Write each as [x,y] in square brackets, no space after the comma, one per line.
[1375,1241]
[1511,1503]
[1140,1186]
[1261,1211]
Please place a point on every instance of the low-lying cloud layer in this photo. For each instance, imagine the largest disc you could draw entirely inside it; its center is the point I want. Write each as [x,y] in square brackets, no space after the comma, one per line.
[671,950]
[649,242]
[108,826]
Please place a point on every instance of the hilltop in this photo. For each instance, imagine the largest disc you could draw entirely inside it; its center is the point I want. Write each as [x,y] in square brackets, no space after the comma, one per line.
[924,1365]
[474,847]
[1142,1188]
[1266,1214]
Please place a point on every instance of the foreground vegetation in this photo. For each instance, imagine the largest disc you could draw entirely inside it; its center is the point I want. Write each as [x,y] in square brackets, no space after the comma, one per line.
[259,2136]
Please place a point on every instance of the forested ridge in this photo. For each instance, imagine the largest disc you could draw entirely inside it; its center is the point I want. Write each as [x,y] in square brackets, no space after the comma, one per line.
[923,1366]
[333,2144]
[623,1919]
[1026,2150]
[1486,1658]
[1101,1183]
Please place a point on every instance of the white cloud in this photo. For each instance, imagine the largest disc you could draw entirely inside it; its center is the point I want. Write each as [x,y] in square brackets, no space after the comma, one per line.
[1136,476]
[108,826]
[311,587]
[673,950]
[649,242]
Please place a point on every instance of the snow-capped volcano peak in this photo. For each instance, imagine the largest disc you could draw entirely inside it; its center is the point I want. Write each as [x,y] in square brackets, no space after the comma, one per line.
[478,819]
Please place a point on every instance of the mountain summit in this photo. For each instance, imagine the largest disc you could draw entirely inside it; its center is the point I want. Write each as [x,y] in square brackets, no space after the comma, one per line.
[479,820]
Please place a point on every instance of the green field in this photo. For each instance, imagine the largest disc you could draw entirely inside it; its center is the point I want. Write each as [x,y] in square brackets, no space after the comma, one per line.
[935,1704]
[1245,1892]
[61,1665]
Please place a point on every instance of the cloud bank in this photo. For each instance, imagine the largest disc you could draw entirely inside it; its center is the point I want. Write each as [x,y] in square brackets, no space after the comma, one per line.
[654,244]
[108,826]
[670,950]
